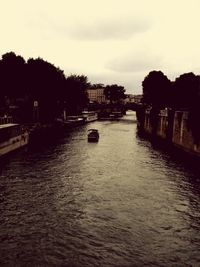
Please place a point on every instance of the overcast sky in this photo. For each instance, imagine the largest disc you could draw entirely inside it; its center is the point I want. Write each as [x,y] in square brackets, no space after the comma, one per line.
[110,41]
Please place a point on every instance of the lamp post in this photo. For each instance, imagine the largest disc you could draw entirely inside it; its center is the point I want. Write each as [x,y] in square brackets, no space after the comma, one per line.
[35,111]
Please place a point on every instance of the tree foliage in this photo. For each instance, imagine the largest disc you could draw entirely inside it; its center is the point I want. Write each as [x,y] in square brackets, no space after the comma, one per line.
[187,96]
[114,92]
[75,93]
[156,89]
[44,79]
[182,94]
[186,90]
[24,82]
[46,84]
[13,75]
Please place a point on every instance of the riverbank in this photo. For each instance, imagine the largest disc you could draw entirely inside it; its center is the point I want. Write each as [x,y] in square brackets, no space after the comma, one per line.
[40,131]
[169,126]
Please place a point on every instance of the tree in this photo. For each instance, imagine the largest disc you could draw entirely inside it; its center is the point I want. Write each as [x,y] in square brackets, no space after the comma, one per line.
[186,90]
[156,89]
[46,85]
[12,75]
[75,93]
[187,96]
[114,93]
[2,87]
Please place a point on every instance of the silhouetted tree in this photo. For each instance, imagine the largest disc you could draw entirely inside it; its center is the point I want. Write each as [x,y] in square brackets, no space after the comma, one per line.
[46,85]
[13,84]
[12,75]
[114,93]
[75,93]
[2,87]
[187,96]
[156,89]
[186,90]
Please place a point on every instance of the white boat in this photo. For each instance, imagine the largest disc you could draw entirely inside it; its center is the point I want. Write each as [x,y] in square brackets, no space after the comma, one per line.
[90,116]
[71,121]
[12,137]
[74,121]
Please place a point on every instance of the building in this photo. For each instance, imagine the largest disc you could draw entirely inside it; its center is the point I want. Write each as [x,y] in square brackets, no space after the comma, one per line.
[133,99]
[137,99]
[96,95]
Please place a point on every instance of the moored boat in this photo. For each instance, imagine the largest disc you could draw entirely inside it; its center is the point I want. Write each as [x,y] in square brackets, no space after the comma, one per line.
[90,116]
[12,137]
[70,121]
[74,121]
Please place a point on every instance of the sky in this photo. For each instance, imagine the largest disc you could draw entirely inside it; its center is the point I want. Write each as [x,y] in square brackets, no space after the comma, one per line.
[109,41]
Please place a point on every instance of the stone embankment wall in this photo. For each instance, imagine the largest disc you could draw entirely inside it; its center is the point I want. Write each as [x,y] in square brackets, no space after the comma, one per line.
[172,127]
[182,134]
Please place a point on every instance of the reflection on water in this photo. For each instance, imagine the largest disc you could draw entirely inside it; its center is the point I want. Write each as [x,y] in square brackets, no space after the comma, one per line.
[118,202]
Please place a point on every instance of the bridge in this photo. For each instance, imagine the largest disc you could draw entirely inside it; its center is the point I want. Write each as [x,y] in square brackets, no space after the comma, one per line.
[109,108]
[132,106]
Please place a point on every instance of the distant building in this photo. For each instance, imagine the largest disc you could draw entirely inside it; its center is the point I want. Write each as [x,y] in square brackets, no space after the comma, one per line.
[132,99]
[96,95]
[137,98]
[128,98]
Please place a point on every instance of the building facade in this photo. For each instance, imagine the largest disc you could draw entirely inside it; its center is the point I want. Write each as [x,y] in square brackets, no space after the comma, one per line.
[133,99]
[96,95]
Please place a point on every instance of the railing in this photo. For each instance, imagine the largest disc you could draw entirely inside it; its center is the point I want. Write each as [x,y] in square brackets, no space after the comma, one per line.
[6,119]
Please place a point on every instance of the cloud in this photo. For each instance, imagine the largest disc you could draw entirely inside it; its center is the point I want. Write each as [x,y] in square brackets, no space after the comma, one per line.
[135,62]
[110,28]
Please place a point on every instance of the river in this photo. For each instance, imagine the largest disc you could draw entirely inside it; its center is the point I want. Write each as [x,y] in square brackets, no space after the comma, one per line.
[119,202]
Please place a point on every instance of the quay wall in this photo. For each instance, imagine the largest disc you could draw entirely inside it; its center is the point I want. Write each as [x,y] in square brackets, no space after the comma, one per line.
[172,127]
[182,134]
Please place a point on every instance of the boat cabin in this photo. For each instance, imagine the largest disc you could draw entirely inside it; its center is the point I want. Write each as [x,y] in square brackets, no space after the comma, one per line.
[93,135]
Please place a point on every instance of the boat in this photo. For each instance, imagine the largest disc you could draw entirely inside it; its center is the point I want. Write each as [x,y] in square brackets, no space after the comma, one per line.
[12,137]
[116,114]
[90,115]
[93,135]
[74,121]
[70,121]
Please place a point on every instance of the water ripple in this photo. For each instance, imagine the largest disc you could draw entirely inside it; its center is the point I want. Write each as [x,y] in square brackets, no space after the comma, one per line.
[120,202]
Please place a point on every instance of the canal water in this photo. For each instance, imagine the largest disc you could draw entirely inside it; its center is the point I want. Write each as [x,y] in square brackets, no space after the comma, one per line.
[118,202]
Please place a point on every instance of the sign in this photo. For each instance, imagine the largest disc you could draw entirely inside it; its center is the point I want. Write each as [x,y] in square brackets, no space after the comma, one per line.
[35,104]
